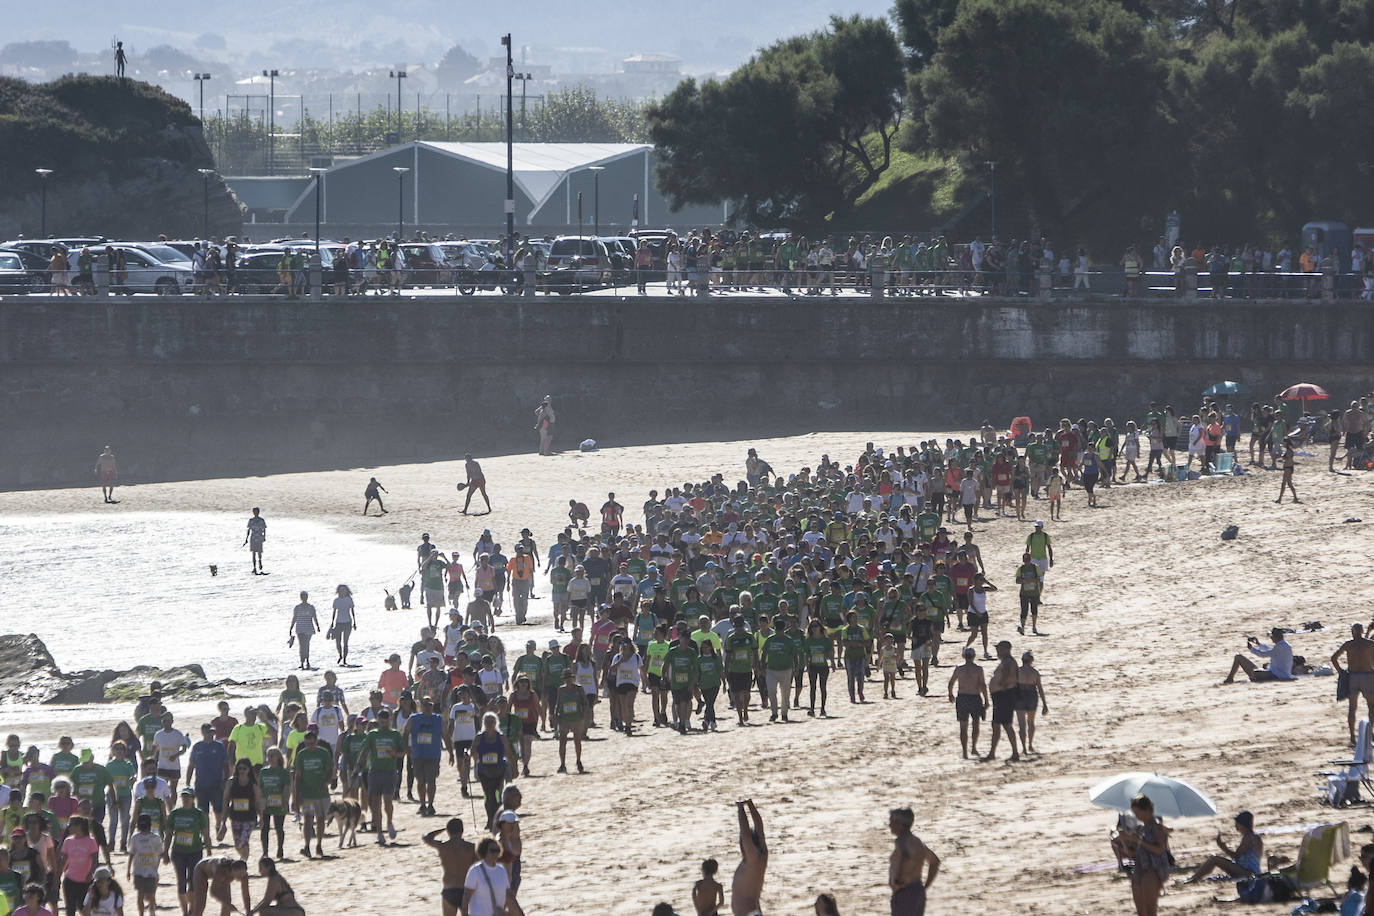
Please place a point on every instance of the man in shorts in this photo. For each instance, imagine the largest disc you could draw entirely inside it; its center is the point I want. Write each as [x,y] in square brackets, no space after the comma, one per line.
[424,733]
[456,856]
[971,704]
[741,660]
[1002,689]
[1359,660]
[569,711]
[383,749]
[312,770]
[106,467]
[1040,548]
[256,536]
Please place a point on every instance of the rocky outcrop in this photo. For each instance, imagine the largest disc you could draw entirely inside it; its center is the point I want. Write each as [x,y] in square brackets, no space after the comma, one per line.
[28,675]
[124,158]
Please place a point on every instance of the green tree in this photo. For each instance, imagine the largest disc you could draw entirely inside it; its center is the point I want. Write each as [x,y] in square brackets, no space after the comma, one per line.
[795,135]
[1066,97]
[455,66]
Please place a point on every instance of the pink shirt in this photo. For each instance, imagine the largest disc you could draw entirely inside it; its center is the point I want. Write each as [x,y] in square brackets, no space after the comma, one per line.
[391,683]
[80,853]
[63,808]
[601,634]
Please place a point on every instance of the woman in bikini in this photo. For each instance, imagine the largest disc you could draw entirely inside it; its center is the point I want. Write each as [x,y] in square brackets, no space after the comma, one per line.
[277,896]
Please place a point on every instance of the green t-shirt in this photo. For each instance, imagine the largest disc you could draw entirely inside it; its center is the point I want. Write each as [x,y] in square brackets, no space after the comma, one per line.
[247,740]
[63,762]
[832,609]
[188,827]
[677,589]
[350,746]
[867,615]
[90,780]
[693,610]
[936,604]
[147,727]
[725,595]
[855,639]
[637,567]
[928,523]
[533,667]
[657,651]
[777,653]
[11,885]
[817,649]
[559,577]
[1035,453]
[151,806]
[555,663]
[383,748]
[273,782]
[766,605]
[312,766]
[1037,544]
[708,672]
[1028,574]
[680,664]
[738,654]
[121,773]
[569,704]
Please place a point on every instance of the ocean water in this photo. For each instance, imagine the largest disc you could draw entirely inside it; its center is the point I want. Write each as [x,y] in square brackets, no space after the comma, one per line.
[115,591]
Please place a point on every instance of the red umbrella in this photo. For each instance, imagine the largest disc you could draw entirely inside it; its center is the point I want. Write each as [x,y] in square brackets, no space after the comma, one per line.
[1304,391]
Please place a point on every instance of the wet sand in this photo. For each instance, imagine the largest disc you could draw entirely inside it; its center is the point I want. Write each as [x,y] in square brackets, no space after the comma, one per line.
[1145,608]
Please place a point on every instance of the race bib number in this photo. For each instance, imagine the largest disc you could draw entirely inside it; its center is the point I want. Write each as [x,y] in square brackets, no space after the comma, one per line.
[424,738]
[570,708]
[240,804]
[182,838]
[490,759]
[85,791]
[275,801]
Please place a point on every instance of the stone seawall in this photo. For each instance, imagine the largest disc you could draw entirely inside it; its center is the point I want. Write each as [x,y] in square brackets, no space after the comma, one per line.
[244,386]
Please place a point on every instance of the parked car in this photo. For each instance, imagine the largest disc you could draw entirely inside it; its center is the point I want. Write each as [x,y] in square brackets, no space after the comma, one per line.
[578,261]
[622,257]
[36,264]
[15,278]
[465,255]
[658,245]
[426,264]
[146,272]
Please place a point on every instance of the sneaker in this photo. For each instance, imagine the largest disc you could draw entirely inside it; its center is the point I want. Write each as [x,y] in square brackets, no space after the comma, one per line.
[562,768]
[579,767]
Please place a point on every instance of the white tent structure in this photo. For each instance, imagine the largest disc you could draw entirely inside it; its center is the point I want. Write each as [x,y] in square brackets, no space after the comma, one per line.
[464,184]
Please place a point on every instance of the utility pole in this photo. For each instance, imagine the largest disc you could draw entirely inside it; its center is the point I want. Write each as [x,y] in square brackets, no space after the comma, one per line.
[201,78]
[271,120]
[206,173]
[510,153]
[992,167]
[43,177]
[596,171]
[400,171]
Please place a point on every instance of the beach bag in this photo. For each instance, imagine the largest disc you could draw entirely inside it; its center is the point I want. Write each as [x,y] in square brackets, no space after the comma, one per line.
[1255,890]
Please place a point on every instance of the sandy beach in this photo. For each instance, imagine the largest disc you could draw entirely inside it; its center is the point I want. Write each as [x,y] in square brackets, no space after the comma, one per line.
[1144,610]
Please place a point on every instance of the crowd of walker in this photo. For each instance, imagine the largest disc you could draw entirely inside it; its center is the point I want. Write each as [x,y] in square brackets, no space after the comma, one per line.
[766,586]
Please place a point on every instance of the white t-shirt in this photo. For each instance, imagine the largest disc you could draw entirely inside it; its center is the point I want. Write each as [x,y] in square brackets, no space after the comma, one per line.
[162,790]
[146,850]
[330,720]
[453,637]
[168,741]
[627,671]
[109,906]
[463,718]
[487,883]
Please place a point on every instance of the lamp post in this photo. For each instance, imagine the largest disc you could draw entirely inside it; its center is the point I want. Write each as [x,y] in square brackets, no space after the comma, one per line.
[510,153]
[398,75]
[400,171]
[271,119]
[206,173]
[319,175]
[43,176]
[992,167]
[596,171]
[201,79]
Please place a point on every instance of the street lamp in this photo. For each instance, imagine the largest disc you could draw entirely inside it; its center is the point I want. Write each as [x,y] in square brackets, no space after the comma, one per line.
[400,171]
[596,171]
[206,173]
[398,75]
[271,119]
[201,78]
[992,166]
[319,174]
[43,175]
[510,153]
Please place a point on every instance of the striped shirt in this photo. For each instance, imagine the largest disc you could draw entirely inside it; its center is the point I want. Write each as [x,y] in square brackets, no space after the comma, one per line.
[303,617]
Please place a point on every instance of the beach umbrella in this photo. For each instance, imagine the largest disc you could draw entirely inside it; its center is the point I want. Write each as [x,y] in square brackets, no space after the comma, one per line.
[1304,391]
[1223,389]
[1171,797]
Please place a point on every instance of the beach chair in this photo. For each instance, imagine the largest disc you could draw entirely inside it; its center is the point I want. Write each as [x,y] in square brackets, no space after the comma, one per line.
[1342,787]
[1315,857]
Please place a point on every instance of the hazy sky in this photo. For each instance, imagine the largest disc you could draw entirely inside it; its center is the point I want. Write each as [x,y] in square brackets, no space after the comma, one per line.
[707,34]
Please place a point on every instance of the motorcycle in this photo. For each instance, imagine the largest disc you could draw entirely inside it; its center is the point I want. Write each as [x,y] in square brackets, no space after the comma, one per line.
[493,274]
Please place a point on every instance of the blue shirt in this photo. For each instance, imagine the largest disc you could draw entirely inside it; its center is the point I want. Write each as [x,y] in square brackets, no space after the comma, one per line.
[1232,424]
[426,742]
[209,757]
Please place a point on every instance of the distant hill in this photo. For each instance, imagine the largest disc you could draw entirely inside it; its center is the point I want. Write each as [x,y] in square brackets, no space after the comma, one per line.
[124,157]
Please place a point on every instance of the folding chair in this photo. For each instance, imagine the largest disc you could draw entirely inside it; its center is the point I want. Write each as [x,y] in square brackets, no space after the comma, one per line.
[1342,787]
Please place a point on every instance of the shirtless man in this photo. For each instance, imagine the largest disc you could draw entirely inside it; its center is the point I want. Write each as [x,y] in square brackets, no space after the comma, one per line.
[1353,425]
[1030,693]
[747,887]
[1359,661]
[973,698]
[456,856]
[909,858]
[257,534]
[1002,690]
[476,482]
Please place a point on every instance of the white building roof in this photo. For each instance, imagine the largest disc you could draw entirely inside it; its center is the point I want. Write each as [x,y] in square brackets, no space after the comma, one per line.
[539,167]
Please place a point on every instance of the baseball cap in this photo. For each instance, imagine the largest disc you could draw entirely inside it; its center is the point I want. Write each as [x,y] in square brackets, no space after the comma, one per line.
[553,644]
[187,790]
[1039,523]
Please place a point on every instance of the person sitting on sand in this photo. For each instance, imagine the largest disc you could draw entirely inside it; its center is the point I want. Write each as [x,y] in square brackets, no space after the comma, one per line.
[1280,656]
[1241,862]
